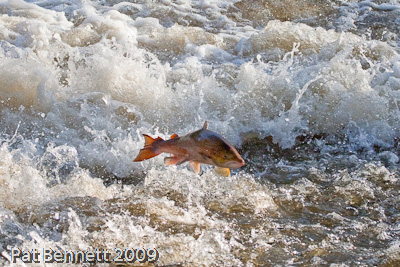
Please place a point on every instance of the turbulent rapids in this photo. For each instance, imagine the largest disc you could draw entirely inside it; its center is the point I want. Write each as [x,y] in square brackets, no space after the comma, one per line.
[308,91]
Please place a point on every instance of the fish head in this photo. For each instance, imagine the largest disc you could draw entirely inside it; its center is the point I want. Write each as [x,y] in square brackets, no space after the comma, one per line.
[216,150]
[224,153]
[228,158]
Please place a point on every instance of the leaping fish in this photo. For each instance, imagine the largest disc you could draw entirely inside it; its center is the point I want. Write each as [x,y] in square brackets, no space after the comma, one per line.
[200,147]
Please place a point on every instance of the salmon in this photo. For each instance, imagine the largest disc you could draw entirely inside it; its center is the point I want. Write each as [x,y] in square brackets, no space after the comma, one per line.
[200,147]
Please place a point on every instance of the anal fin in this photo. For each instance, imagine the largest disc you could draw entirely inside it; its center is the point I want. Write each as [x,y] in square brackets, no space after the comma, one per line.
[194,166]
[222,171]
[168,161]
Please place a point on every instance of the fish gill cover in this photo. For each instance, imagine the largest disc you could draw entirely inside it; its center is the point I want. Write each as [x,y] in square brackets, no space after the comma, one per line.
[307,90]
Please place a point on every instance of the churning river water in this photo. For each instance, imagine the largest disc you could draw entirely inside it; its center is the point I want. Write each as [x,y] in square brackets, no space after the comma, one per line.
[308,91]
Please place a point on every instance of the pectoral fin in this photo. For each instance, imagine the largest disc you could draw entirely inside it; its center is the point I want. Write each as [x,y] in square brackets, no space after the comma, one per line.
[222,171]
[194,166]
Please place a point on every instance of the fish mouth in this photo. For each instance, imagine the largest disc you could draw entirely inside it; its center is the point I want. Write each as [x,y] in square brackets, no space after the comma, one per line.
[235,164]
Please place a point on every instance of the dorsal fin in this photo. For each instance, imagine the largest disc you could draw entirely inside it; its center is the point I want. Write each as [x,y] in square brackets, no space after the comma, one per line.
[205,125]
[174,136]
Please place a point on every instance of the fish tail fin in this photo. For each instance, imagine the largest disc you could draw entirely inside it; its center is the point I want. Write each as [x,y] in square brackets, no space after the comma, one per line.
[149,150]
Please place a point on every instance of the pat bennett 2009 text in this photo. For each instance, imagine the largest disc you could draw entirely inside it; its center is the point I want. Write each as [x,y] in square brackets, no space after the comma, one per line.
[117,255]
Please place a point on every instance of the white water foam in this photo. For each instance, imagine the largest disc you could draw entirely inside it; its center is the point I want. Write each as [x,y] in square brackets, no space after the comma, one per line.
[80,82]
